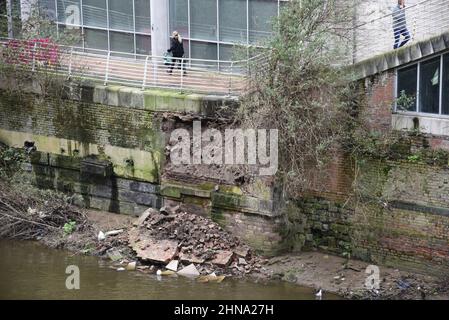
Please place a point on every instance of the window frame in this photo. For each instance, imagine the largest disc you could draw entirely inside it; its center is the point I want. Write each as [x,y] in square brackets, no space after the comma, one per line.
[187,37]
[107,29]
[418,87]
[217,41]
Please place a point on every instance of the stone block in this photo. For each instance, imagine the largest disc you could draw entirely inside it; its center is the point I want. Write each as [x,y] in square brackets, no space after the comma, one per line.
[223,258]
[92,166]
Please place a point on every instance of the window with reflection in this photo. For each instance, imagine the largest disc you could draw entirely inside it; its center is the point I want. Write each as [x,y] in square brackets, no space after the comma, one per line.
[68,11]
[407,88]
[121,15]
[424,86]
[143,44]
[203,19]
[233,21]
[179,16]
[429,86]
[94,13]
[96,39]
[143,16]
[47,9]
[261,17]
[121,42]
[204,50]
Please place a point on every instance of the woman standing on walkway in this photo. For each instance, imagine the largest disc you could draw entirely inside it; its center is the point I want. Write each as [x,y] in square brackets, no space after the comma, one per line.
[177,50]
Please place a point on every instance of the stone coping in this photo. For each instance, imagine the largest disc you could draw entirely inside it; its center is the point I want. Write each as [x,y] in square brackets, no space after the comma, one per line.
[402,56]
[156,100]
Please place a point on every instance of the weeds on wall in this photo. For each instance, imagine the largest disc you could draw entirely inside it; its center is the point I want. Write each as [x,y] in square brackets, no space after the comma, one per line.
[295,88]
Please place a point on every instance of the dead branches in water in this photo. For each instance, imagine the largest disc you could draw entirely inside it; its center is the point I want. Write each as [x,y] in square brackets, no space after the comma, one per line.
[29,214]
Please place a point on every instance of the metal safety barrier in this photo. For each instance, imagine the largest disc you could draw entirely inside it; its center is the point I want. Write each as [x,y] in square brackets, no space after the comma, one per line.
[143,71]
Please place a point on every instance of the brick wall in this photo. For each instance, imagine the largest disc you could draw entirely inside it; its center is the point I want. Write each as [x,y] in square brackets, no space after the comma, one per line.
[80,121]
[398,212]
[379,93]
[335,180]
[260,232]
[400,217]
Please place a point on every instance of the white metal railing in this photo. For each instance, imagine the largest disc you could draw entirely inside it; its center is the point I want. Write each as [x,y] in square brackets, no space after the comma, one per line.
[143,71]
[423,20]
[376,36]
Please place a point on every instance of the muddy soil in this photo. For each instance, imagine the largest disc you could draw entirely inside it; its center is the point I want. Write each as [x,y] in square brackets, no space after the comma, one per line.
[333,274]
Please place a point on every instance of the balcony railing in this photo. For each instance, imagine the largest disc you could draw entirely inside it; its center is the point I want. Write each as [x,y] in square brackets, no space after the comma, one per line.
[423,20]
[227,78]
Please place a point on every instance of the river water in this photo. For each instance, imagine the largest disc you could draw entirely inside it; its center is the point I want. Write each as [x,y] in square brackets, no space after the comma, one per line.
[29,270]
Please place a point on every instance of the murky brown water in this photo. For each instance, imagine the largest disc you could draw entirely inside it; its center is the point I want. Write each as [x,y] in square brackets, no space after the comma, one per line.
[29,270]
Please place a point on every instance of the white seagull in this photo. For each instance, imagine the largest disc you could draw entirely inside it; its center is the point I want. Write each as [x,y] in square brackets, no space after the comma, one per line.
[319,294]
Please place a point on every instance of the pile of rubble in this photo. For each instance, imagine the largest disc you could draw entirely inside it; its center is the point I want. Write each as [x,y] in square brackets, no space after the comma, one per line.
[167,235]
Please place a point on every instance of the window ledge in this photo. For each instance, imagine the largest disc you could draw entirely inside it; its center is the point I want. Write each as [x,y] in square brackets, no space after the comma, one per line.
[430,124]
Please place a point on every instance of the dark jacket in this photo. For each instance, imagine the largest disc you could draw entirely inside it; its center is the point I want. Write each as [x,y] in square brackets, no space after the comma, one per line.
[176,48]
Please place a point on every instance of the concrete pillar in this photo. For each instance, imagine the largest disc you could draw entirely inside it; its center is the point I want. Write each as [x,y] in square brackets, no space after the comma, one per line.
[160,34]
[9,16]
[26,7]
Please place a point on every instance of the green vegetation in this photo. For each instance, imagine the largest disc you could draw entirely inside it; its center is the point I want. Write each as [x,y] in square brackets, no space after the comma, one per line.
[298,91]
[69,227]
[405,102]
[11,160]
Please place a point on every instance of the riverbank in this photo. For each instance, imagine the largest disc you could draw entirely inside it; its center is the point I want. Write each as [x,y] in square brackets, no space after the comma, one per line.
[315,270]
[333,274]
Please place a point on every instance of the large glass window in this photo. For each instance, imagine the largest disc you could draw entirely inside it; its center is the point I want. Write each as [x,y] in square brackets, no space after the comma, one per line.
[94,13]
[407,88]
[143,16]
[227,53]
[233,19]
[122,42]
[429,86]
[203,19]
[96,39]
[179,16]
[48,9]
[432,78]
[71,36]
[118,25]
[217,22]
[68,11]
[261,15]
[204,50]
[121,16]
[445,80]
[143,44]
[232,22]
